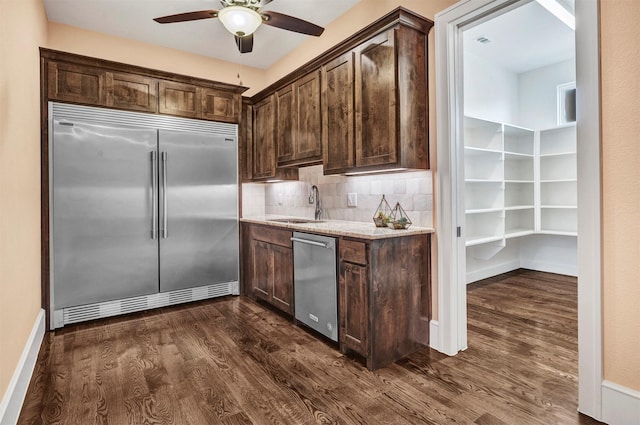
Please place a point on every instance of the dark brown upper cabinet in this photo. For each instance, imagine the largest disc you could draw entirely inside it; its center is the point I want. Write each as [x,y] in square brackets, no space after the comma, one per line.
[261,144]
[218,105]
[285,126]
[90,81]
[179,99]
[192,101]
[373,101]
[264,147]
[391,102]
[338,115]
[132,92]
[376,112]
[75,83]
[299,128]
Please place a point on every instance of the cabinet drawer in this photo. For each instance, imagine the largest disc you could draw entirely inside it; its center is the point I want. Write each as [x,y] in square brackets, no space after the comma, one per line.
[353,251]
[272,235]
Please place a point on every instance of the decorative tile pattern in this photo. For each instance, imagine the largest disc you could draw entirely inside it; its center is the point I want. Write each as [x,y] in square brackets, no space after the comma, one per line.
[414,191]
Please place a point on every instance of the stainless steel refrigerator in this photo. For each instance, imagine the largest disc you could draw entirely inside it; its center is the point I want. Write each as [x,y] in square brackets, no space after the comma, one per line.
[144,211]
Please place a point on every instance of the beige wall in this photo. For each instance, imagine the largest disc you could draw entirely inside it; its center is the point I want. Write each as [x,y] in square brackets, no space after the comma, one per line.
[23,28]
[620,45]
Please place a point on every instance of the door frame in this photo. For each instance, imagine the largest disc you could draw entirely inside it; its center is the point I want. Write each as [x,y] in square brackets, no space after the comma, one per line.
[452,320]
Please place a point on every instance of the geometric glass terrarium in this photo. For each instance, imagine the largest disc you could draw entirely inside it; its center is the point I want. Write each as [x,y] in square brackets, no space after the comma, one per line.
[382,216]
[399,218]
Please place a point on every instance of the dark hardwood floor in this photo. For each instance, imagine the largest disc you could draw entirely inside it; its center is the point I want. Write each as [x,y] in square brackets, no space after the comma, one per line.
[231,361]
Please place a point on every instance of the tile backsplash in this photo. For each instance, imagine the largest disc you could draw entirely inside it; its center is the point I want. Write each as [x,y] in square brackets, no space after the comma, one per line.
[414,191]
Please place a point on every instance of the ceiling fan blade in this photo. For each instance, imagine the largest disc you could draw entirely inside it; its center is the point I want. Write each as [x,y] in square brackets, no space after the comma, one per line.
[189,16]
[290,23]
[245,44]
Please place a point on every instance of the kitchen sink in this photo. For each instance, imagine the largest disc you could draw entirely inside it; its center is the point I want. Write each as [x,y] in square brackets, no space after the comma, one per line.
[295,220]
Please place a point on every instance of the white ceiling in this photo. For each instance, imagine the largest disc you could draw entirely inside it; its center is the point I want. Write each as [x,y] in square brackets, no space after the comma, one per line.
[133,19]
[522,39]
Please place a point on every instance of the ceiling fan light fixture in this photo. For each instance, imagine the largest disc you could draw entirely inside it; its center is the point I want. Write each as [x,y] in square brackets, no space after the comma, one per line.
[240,20]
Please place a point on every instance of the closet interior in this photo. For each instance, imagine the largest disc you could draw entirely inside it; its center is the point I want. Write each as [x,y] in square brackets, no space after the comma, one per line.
[520,174]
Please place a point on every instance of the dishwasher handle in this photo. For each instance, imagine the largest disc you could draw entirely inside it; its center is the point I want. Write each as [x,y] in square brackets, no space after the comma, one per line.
[310,242]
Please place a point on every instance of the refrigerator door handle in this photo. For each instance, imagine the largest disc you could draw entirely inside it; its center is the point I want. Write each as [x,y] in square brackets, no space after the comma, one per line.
[154,192]
[165,230]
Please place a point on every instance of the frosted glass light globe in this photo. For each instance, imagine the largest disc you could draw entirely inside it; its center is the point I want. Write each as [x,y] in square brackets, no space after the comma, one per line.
[240,20]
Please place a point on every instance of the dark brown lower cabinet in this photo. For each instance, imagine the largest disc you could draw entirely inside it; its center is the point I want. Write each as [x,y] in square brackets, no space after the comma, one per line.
[269,271]
[385,304]
[354,303]
[384,296]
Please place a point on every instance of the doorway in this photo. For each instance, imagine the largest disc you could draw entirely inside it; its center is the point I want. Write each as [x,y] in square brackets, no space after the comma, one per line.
[451,208]
[519,143]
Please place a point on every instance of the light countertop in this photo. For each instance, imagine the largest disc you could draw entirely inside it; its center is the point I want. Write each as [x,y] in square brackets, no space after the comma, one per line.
[353,229]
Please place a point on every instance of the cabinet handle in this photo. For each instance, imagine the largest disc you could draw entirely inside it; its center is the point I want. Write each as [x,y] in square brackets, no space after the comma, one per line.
[309,242]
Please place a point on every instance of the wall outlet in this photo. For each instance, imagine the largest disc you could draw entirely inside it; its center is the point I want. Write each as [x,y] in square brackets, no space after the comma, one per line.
[352,199]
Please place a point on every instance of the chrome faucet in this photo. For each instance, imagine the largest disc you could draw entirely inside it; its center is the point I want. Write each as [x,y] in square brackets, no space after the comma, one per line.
[315,197]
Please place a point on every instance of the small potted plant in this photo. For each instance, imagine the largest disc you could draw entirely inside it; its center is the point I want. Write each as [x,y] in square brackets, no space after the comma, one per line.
[401,223]
[382,216]
[398,218]
[381,220]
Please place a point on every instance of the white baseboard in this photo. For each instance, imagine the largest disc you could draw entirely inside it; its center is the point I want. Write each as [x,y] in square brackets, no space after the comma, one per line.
[494,270]
[434,335]
[620,405]
[14,397]
[566,269]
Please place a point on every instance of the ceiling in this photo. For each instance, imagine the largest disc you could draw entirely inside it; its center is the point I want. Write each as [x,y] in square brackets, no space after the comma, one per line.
[133,19]
[522,39]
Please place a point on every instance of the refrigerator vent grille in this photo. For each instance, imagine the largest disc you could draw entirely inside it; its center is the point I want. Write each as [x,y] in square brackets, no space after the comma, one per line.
[137,119]
[130,305]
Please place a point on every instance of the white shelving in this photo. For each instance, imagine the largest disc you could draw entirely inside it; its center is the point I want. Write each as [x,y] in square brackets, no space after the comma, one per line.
[558,181]
[499,181]
[518,181]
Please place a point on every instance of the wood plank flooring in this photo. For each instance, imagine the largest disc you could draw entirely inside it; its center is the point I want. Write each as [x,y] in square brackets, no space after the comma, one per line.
[232,361]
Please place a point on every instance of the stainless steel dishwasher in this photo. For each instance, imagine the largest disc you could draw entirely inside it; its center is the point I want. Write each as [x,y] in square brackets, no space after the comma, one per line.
[314,282]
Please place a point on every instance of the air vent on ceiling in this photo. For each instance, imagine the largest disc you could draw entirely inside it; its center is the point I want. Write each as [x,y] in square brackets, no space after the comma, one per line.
[483,40]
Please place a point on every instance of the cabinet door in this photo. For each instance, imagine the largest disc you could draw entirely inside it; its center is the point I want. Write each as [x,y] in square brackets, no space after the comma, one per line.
[74,83]
[307,118]
[264,156]
[376,109]
[246,143]
[354,302]
[217,105]
[285,119]
[132,92]
[178,99]
[337,115]
[282,278]
[262,270]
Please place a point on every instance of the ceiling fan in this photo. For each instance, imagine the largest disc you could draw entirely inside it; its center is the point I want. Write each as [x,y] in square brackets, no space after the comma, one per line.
[242,17]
